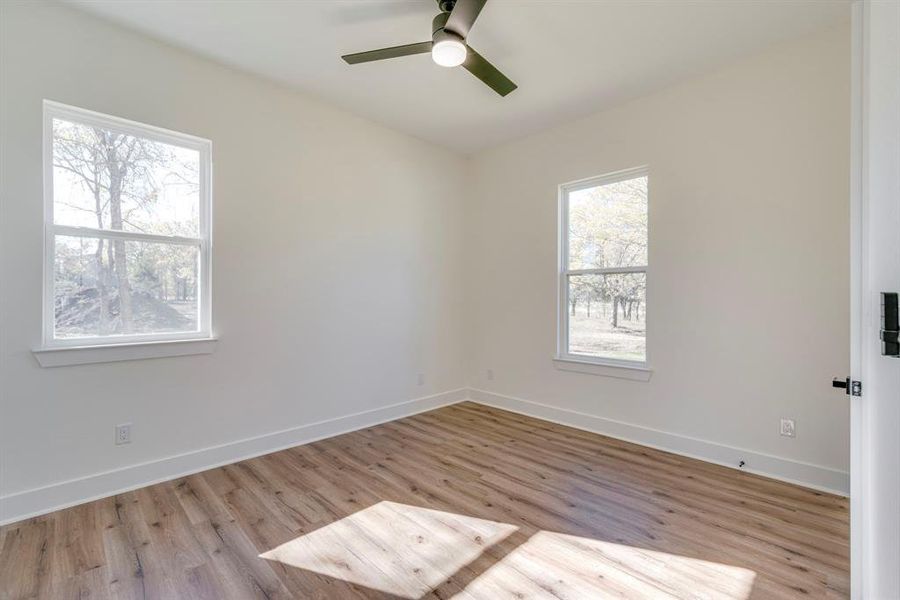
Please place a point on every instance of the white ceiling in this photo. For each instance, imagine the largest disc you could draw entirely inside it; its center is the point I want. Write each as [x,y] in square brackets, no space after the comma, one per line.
[570,58]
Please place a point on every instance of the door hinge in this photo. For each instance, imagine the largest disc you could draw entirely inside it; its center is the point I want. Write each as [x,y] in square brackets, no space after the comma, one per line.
[851,386]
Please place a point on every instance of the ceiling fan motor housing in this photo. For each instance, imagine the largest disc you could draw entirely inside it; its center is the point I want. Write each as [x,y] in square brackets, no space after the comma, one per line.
[438,33]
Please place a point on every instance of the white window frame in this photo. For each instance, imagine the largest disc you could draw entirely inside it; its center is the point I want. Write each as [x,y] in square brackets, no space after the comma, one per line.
[203,242]
[562,350]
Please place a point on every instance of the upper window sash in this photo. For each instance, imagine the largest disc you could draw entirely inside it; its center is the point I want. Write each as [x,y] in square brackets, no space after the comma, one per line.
[587,254]
[183,208]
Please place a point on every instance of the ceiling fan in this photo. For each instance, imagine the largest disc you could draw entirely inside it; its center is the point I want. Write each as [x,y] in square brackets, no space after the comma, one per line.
[448,45]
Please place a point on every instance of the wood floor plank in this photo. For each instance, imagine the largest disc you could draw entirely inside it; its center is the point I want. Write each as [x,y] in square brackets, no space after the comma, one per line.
[465,502]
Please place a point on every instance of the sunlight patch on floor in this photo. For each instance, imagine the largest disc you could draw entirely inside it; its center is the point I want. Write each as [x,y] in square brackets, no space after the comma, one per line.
[408,551]
[551,565]
[396,548]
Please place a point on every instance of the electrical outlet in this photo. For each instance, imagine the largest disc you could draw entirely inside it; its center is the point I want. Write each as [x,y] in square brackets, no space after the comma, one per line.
[421,379]
[123,434]
[788,428]
[490,374]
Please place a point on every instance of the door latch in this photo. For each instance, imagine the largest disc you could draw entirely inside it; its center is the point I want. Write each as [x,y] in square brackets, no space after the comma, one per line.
[851,386]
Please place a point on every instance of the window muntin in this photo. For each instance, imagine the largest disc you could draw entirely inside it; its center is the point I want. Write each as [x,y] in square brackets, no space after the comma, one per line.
[127,231]
[603,269]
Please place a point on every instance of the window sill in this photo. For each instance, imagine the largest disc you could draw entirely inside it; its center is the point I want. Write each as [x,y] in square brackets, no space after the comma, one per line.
[83,355]
[620,371]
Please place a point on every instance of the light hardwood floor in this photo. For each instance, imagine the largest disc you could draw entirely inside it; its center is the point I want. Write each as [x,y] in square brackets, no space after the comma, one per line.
[462,502]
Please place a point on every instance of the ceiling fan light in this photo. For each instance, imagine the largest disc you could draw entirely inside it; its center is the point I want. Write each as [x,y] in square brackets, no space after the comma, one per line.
[449,53]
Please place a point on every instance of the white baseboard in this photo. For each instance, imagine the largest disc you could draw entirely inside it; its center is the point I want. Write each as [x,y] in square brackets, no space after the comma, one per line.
[809,475]
[38,501]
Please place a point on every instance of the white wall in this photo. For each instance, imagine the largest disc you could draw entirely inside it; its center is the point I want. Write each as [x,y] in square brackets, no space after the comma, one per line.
[748,285]
[337,266]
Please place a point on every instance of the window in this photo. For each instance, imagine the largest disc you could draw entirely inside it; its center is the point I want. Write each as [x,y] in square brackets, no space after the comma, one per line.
[603,269]
[127,231]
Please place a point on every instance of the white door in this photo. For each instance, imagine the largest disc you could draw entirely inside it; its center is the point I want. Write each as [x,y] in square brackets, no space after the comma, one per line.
[875,260]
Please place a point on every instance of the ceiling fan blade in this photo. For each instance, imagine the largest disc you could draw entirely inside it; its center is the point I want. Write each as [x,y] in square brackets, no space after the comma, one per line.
[383,53]
[478,66]
[463,16]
